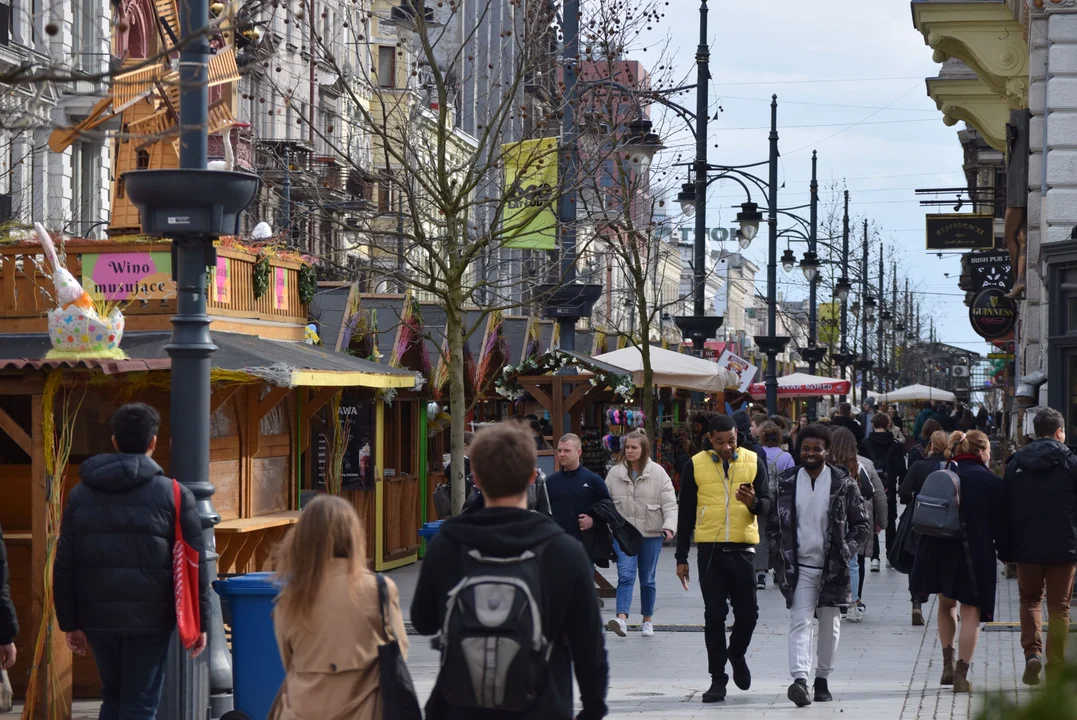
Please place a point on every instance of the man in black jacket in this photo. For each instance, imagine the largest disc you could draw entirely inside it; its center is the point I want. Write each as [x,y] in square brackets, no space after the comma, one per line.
[502,534]
[844,419]
[112,577]
[883,449]
[1041,537]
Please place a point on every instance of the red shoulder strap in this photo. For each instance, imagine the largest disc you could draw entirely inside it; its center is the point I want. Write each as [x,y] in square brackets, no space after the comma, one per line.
[178,496]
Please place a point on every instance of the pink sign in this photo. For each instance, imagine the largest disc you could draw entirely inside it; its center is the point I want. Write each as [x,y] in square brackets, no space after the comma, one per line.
[280,289]
[222,282]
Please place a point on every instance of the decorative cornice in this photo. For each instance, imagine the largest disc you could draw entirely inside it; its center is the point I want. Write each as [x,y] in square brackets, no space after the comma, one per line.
[983,35]
[1055,5]
[969,100]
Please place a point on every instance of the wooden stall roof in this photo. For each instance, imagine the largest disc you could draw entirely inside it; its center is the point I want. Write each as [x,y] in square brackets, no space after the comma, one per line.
[279,363]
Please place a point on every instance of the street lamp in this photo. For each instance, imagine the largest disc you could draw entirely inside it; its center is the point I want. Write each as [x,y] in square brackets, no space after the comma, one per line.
[686,198]
[789,260]
[869,310]
[810,265]
[842,288]
[749,218]
[642,144]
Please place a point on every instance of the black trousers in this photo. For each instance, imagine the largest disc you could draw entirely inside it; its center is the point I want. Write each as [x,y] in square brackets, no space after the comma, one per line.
[725,575]
[891,518]
[863,572]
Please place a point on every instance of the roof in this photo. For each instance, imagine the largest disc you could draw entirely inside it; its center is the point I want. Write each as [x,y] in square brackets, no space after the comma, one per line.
[280,363]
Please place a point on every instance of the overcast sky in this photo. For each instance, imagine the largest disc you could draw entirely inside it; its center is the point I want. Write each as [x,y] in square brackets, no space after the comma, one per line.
[849,76]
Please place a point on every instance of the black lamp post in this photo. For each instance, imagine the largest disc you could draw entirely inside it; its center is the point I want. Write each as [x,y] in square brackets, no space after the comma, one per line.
[841,290]
[193,206]
[867,317]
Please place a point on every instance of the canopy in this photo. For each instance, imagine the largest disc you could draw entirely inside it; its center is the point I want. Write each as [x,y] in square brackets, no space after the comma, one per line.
[672,369]
[803,385]
[912,393]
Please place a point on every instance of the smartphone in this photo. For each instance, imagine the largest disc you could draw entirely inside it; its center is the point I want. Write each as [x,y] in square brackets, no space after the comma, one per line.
[746,485]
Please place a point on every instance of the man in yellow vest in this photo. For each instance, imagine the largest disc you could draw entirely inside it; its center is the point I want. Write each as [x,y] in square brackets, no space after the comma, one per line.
[723,490]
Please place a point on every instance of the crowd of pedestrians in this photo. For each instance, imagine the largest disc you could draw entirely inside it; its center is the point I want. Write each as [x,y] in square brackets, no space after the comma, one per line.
[507,587]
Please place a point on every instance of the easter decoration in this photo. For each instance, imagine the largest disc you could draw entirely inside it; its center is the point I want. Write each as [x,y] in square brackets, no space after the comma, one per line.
[79,327]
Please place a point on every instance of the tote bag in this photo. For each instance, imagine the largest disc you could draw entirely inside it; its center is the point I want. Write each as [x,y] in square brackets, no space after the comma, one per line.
[185,581]
[398,699]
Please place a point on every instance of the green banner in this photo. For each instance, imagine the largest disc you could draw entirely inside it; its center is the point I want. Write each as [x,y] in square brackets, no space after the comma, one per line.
[530,218]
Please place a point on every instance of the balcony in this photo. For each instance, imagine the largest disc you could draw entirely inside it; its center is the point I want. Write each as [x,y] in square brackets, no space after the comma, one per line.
[277,315]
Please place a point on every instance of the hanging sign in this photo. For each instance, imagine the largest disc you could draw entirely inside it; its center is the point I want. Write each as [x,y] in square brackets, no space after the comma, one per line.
[829,323]
[280,288]
[740,367]
[530,220]
[992,314]
[960,232]
[990,269]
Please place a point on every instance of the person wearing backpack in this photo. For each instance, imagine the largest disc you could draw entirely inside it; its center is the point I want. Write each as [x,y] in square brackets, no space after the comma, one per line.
[957,561]
[1041,476]
[778,461]
[643,494]
[510,578]
[817,524]
[935,452]
[888,455]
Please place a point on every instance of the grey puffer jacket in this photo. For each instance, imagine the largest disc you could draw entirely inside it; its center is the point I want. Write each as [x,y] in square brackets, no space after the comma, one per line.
[876,506]
[849,531]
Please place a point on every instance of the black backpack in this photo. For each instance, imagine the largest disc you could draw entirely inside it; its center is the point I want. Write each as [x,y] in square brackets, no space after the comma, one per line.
[937,507]
[494,651]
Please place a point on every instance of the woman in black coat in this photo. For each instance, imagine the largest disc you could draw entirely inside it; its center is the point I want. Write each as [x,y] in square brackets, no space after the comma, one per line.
[960,574]
[935,451]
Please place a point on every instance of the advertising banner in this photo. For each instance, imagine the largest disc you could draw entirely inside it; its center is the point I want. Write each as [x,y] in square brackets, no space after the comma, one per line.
[530,184]
[829,323]
[960,232]
[739,366]
[123,277]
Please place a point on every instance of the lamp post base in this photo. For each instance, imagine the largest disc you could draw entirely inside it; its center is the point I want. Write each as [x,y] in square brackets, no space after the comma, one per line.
[566,304]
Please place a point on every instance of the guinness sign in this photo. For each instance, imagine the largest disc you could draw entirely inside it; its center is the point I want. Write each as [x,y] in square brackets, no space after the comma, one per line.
[960,232]
[992,314]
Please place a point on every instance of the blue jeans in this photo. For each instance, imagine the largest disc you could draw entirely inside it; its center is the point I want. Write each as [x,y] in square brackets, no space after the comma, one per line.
[646,564]
[854,576]
[132,668]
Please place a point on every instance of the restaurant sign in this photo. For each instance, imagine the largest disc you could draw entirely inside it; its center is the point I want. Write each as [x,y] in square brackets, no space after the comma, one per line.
[992,314]
[960,231]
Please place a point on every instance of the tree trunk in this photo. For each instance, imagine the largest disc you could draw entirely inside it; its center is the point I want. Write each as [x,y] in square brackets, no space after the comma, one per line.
[454,328]
[650,423]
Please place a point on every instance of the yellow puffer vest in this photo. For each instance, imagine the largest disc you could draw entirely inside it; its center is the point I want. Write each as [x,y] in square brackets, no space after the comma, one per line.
[720,517]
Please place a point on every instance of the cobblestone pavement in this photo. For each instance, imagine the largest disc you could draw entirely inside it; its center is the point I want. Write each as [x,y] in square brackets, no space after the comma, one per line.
[886,669]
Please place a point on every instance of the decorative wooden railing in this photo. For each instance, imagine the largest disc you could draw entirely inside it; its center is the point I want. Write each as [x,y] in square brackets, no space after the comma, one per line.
[24,302]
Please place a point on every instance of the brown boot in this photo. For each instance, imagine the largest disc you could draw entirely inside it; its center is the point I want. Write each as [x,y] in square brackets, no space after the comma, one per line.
[947,666]
[917,614]
[961,679]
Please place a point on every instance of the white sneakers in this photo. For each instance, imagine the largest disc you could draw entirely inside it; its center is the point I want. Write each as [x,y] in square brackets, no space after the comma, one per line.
[875,565]
[854,614]
[620,627]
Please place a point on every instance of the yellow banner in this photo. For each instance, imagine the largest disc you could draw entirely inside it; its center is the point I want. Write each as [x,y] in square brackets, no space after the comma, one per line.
[530,218]
[829,323]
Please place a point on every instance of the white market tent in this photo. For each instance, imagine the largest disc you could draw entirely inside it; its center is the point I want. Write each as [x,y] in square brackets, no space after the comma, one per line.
[797,385]
[914,393]
[672,369]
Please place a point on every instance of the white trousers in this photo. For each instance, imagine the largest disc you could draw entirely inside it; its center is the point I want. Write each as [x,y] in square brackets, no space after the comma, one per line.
[802,627]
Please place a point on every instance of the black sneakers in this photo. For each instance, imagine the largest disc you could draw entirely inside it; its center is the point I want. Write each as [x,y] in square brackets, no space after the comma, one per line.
[716,692]
[798,693]
[742,676]
[822,692]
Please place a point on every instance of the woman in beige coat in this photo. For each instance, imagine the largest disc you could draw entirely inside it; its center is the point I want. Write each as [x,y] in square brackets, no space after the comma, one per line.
[328,619]
[644,495]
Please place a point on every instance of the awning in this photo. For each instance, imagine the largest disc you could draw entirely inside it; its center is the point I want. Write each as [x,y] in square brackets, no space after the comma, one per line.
[279,363]
[913,393]
[672,369]
[803,385]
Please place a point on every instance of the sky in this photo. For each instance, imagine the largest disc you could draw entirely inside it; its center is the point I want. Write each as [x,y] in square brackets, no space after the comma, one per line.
[849,76]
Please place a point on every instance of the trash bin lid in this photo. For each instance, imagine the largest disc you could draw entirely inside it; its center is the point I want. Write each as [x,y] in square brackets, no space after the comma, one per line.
[257,583]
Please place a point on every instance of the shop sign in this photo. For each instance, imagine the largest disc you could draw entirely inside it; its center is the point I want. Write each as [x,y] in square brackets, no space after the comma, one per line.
[990,269]
[123,277]
[1000,356]
[358,464]
[960,232]
[992,314]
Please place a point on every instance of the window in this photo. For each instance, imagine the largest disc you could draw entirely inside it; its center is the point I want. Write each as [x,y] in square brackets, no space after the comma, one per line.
[143,159]
[387,66]
[5,23]
[85,159]
[385,194]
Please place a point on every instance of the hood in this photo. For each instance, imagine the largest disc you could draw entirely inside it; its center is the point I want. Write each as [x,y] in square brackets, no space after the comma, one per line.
[501,531]
[1041,455]
[743,422]
[118,472]
[881,441]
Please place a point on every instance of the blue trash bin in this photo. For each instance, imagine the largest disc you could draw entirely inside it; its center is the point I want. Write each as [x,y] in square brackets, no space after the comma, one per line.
[257,671]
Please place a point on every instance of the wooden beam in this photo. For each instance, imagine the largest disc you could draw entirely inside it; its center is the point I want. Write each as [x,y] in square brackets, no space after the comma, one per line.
[222,395]
[249,439]
[271,400]
[576,395]
[541,398]
[20,386]
[15,432]
[312,405]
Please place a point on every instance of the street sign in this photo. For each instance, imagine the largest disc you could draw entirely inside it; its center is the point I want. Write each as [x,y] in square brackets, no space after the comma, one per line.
[960,231]
[1000,356]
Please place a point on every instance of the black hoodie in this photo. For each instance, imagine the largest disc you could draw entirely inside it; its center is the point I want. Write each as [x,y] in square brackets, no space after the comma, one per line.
[1041,494]
[570,607]
[113,569]
[883,449]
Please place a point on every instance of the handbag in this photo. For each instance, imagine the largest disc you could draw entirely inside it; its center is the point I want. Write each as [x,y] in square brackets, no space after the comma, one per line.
[903,553]
[185,580]
[398,700]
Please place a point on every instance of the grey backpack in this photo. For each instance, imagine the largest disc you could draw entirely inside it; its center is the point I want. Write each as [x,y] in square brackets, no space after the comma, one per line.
[937,509]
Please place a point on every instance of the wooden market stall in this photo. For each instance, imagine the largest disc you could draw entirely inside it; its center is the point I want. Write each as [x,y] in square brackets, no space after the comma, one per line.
[267,388]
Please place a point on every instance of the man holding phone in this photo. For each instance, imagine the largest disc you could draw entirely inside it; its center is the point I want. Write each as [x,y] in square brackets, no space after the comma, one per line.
[723,490]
